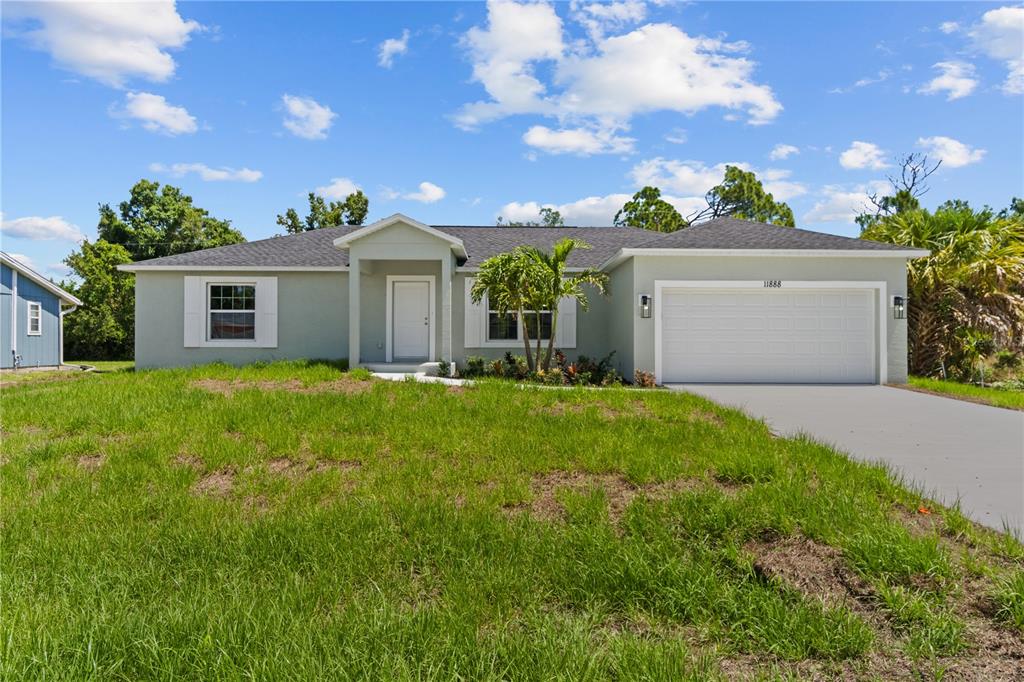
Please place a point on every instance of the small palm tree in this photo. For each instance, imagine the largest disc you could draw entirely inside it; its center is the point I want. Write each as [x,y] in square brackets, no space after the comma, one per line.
[508,280]
[553,284]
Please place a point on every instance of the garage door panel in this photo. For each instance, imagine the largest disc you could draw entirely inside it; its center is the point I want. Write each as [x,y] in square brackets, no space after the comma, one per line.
[797,336]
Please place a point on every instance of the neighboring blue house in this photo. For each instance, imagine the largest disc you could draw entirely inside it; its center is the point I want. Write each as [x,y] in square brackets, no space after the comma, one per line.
[31,317]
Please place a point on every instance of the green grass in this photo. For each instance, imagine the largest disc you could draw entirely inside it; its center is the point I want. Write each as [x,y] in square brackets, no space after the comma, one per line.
[407,540]
[999,397]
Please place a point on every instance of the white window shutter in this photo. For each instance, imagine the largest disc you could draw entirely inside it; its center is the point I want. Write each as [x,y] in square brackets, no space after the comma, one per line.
[195,311]
[474,319]
[266,312]
[565,335]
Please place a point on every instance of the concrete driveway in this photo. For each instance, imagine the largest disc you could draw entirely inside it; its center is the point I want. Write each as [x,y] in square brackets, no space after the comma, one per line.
[953,449]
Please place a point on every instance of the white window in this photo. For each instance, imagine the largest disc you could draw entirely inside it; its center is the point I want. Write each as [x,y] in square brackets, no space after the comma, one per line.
[231,313]
[35,318]
[507,328]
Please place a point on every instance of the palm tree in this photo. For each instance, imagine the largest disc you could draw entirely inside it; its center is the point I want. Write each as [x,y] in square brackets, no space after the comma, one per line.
[553,284]
[973,279]
[508,280]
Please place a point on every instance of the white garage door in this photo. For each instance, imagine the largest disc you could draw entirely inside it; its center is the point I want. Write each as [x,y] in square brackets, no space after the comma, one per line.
[768,336]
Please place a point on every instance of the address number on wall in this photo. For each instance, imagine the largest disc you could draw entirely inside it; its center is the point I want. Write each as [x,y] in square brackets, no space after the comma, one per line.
[773,284]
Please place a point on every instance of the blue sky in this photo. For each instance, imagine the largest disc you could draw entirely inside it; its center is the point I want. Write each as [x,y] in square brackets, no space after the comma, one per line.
[455,113]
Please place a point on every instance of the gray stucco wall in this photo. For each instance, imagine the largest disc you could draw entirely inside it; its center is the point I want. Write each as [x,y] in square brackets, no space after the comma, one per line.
[892,271]
[312,320]
[621,314]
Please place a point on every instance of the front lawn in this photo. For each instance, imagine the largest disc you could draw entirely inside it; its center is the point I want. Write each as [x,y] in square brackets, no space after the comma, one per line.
[988,395]
[294,521]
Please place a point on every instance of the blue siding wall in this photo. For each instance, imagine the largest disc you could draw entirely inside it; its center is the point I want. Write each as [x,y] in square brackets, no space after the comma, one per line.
[35,351]
[5,316]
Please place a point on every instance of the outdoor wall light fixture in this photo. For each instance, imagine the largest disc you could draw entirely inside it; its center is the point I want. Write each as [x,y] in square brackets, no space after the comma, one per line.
[645,305]
[899,307]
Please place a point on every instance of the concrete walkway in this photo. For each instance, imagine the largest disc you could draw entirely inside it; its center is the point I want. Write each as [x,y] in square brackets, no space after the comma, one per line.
[951,448]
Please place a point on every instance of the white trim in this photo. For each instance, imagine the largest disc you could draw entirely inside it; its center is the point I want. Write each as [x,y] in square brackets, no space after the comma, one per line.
[18,266]
[345,241]
[626,253]
[142,267]
[881,308]
[209,312]
[38,306]
[14,315]
[204,340]
[389,307]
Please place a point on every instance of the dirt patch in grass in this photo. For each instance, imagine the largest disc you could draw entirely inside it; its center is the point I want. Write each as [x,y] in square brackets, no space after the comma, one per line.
[190,461]
[706,417]
[91,462]
[818,572]
[215,484]
[812,568]
[618,490]
[635,408]
[229,388]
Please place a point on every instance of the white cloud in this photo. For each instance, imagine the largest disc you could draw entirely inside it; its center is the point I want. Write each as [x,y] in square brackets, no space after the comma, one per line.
[840,204]
[600,17]
[591,211]
[24,260]
[956,79]
[783,151]
[38,228]
[1000,35]
[602,83]
[953,153]
[580,141]
[338,188]
[948,27]
[307,118]
[156,114]
[207,173]
[883,75]
[863,155]
[676,136]
[391,48]
[689,178]
[428,194]
[109,41]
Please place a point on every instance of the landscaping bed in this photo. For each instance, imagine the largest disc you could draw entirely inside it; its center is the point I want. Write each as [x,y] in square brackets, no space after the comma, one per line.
[295,521]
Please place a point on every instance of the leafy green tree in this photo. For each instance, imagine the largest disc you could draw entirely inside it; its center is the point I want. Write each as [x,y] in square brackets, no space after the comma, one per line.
[103,326]
[973,280]
[648,211]
[553,284]
[741,195]
[547,217]
[550,217]
[156,222]
[350,211]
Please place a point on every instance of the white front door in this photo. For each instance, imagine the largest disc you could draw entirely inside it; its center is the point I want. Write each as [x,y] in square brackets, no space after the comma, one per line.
[768,336]
[410,323]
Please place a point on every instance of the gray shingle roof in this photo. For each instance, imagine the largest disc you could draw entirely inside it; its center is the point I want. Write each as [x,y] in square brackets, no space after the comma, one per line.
[733,233]
[316,248]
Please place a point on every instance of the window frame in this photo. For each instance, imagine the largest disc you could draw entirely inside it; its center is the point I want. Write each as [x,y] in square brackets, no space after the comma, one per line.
[518,340]
[37,306]
[207,338]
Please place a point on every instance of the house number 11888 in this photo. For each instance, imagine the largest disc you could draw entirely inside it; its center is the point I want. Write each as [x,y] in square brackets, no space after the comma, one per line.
[773,284]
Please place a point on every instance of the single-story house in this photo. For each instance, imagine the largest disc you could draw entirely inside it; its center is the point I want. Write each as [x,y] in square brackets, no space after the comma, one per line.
[31,317]
[724,301]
